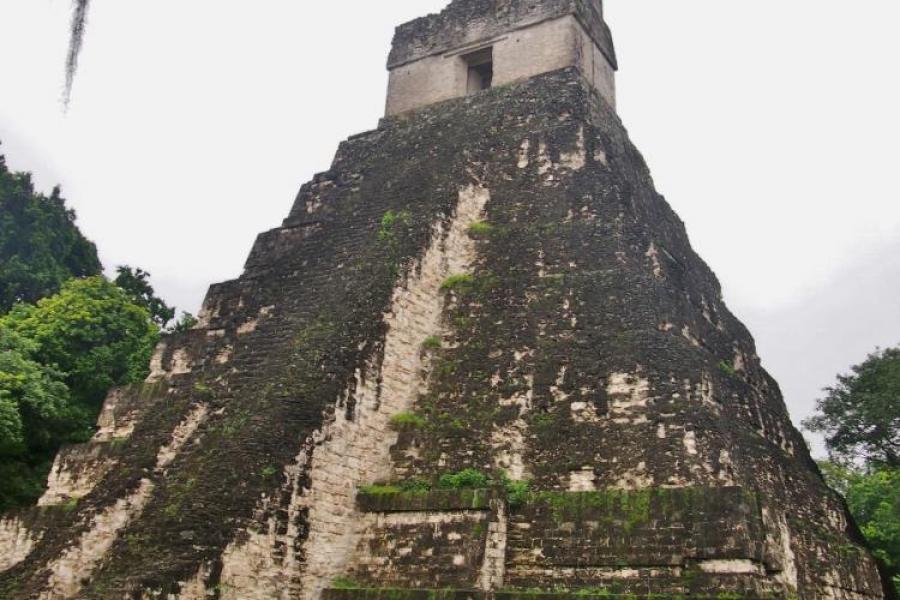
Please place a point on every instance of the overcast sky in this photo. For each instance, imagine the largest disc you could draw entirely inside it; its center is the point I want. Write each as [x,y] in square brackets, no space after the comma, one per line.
[771,126]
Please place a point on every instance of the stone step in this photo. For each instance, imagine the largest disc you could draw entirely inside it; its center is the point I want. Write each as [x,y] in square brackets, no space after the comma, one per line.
[470,594]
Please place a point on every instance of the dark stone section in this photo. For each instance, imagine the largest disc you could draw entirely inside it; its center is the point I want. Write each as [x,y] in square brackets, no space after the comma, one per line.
[452,594]
[652,527]
[445,552]
[454,26]
[401,594]
[433,501]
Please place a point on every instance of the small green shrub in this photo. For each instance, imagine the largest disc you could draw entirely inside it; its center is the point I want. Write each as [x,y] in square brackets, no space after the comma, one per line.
[269,471]
[481,229]
[460,282]
[407,420]
[415,486]
[432,343]
[465,479]
[389,222]
[727,369]
[70,505]
[516,492]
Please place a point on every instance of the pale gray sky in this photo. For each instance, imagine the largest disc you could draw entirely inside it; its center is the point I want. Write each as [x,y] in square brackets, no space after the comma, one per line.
[772,127]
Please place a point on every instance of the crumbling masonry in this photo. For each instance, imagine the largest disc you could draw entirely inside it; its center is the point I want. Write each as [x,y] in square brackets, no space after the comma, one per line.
[487,281]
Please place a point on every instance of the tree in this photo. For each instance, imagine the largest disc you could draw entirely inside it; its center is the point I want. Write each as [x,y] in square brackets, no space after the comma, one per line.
[874,500]
[40,245]
[860,416]
[93,332]
[36,416]
[137,283]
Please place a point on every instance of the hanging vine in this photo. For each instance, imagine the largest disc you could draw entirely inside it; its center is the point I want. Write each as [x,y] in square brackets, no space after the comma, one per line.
[79,21]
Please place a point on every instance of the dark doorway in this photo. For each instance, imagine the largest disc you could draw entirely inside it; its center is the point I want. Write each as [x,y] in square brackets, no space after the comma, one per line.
[480,70]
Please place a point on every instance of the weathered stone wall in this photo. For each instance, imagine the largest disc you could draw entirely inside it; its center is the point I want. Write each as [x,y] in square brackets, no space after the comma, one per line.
[694,539]
[466,22]
[427,64]
[584,347]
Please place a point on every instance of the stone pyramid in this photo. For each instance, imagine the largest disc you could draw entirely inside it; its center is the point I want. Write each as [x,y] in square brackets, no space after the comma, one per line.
[479,359]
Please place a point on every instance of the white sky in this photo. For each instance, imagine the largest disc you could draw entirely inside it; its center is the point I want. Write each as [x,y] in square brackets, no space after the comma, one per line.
[772,127]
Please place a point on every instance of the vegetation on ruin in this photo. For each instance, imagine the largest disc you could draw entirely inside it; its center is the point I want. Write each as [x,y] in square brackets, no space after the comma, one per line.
[432,343]
[459,282]
[391,223]
[407,420]
[393,226]
[727,368]
[480,229]
[409,486]
[379,489]
[415,485]
[516,490]
[465,479]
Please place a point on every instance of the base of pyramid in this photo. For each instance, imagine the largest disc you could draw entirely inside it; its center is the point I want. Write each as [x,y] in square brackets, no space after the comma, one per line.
[462,594]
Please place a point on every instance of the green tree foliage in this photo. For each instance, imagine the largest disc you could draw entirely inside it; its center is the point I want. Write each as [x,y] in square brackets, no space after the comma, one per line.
[860,416]
[137,283]
[36,416]
[874,500]
[91,331]
[58,359]
[67,336]
[40,246]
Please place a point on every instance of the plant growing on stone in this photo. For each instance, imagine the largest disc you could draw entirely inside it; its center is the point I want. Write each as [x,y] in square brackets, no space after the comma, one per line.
[465,479]
[481,229]
[458,283]
[432,343]
[726,368]
[379,489]
[415,486]
[407,420]
[391,222]
[516,490]
[185,322]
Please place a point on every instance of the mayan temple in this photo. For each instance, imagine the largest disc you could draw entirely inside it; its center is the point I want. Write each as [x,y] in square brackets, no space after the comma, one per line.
[479,360]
